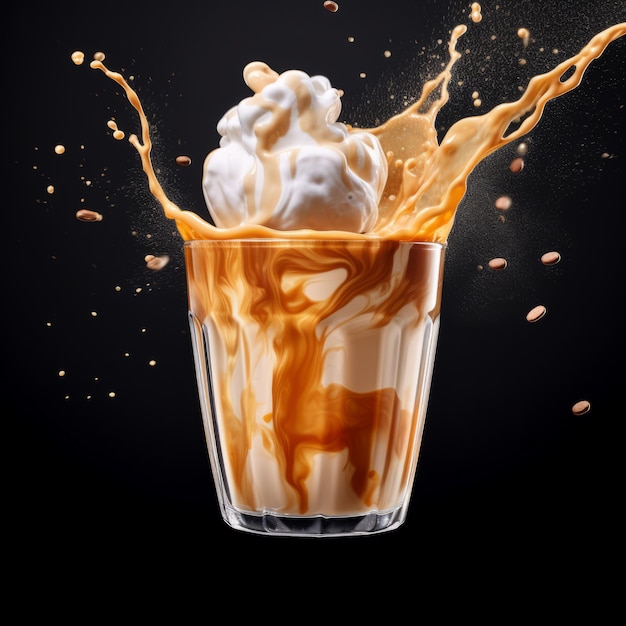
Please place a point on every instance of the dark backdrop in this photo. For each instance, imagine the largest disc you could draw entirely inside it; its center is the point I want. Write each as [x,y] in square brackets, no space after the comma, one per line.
[508,476]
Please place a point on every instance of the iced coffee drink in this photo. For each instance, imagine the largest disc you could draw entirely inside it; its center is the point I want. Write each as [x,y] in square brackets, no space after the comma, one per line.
[315,290]
[314,354]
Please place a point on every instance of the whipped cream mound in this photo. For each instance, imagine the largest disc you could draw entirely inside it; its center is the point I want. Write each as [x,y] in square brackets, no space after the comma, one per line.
[286,163]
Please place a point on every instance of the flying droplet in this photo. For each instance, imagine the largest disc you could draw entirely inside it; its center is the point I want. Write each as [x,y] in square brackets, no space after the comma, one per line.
[536,313]
[581,407]
[497,263]
[156,262]
[524,35]
[476,15]
[85,215]
[550,258]
[503,203]
[183,160]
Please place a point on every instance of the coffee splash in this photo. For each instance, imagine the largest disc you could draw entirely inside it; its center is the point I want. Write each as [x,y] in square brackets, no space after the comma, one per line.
[427,179]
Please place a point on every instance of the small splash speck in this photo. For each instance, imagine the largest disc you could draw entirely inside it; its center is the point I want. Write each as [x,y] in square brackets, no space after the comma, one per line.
[536,313]
[550,258]
[581,407]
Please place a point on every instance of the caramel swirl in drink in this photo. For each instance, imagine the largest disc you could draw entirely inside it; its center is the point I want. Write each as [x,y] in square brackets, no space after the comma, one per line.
[320,355]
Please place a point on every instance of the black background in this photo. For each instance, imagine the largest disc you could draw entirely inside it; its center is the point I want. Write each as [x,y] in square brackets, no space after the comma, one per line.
[509,480]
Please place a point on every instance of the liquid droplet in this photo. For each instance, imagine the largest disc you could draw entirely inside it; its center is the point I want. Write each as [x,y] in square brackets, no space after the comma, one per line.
[550,258]
[581,407]
[536,313]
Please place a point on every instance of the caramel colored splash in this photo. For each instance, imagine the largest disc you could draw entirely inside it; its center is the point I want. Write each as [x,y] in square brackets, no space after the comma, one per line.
[427,180]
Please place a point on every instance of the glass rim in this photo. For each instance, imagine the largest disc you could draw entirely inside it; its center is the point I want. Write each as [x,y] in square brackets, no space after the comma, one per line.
[298,241]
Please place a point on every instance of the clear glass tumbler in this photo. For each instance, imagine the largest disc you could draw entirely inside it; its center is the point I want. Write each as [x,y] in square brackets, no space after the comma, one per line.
[313,361]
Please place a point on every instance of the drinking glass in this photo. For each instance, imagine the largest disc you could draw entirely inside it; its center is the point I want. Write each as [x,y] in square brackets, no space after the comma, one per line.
[313,362]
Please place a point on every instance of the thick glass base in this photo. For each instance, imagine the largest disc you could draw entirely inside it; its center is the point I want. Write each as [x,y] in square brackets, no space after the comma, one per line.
[314,525]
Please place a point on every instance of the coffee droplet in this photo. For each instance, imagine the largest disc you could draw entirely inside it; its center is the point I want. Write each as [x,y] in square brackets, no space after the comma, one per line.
[183,160]
[59,149]
[581,407]
[524,35]
[85,215]
[503,203]
[517,165]
[476,15]
[78,57]
[550,258]
[156,262]
[498,263]
[117,133]
[331,6]
[536,313]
